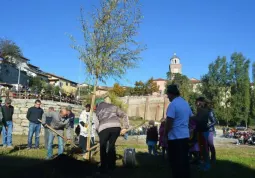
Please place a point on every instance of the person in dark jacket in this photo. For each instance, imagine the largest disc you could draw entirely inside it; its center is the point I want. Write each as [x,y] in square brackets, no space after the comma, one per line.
[2,121]
[108,126]
[70,126]
[7,111]
[33,114]
[212,122]
[152,138]
[202,120]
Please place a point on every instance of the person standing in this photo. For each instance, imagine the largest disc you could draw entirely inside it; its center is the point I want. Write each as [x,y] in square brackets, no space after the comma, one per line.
[177,132]
[83,124]
[162,140]
[33,114]
[202,120]
[2,121]
[59,122]
[211,124]
[152,138]
[46,130]
[108,126]
[7,111]
[70,126]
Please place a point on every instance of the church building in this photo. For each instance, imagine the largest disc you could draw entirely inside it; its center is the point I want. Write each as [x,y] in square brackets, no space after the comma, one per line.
[175,67]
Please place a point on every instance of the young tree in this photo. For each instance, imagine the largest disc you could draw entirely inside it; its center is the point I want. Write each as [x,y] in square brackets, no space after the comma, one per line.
[9,50]
[110,46]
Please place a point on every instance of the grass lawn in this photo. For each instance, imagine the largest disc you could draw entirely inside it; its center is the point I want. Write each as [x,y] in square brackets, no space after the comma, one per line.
[233,162]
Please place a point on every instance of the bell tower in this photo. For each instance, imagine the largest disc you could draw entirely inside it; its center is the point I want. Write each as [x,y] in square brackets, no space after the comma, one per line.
[175,65]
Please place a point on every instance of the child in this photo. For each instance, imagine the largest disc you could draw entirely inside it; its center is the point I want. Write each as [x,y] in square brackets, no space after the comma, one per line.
[152,137]
[193,143]
[162,139]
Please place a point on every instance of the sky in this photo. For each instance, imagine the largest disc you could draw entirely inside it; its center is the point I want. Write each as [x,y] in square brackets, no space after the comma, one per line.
[197,31]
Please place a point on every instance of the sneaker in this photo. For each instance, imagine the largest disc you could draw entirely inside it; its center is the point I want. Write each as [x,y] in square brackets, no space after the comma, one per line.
[4,146]
[10,147]
[28,148]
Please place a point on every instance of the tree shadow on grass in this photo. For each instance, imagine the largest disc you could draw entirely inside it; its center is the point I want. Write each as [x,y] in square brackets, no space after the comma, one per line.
[147,166]
[156,166]
[61,167]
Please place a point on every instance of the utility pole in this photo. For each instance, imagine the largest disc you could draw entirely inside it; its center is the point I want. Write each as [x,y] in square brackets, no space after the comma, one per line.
[19,81]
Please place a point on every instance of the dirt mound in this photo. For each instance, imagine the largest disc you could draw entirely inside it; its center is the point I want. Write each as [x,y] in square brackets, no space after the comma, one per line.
[62,166]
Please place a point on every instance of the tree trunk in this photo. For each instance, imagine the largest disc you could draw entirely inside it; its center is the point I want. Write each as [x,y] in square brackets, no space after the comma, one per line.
[87,155]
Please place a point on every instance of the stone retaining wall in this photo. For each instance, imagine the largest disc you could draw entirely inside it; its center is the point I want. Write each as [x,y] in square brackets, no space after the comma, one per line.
[20,122]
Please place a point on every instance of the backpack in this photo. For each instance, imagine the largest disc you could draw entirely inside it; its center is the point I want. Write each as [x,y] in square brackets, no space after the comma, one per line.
[129,159]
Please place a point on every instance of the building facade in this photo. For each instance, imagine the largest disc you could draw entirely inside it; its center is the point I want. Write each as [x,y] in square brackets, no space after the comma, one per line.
[68,86]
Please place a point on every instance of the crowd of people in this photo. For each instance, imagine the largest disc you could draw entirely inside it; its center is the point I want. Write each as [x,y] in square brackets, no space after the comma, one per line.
[183,135]
[106,122]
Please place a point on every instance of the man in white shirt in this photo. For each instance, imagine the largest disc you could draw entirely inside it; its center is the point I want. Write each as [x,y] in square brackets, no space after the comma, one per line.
[84,123]
[177,132]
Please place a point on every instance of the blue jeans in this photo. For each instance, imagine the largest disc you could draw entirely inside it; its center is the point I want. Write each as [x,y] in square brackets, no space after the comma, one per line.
[152,147]
[34,128]
[50,144]
[7,135]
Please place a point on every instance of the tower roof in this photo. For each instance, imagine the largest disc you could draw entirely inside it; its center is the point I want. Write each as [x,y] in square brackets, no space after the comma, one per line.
[175,56]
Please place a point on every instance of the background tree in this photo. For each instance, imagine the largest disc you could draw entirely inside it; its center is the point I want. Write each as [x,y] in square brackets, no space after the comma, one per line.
[252,93]
[118,90]
[129,91]
[183,82]
[215,87]
[151,86]
[9,50]
[36,84]
[139,88]
[110,46]
[240,87]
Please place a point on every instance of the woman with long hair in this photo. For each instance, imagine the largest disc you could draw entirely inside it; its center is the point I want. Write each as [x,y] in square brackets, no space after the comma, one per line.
[202,129]
[211,124]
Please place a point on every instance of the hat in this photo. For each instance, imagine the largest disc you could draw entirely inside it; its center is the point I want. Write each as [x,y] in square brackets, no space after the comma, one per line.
[173,89]
[87,106]
[69,108]
[8,101]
